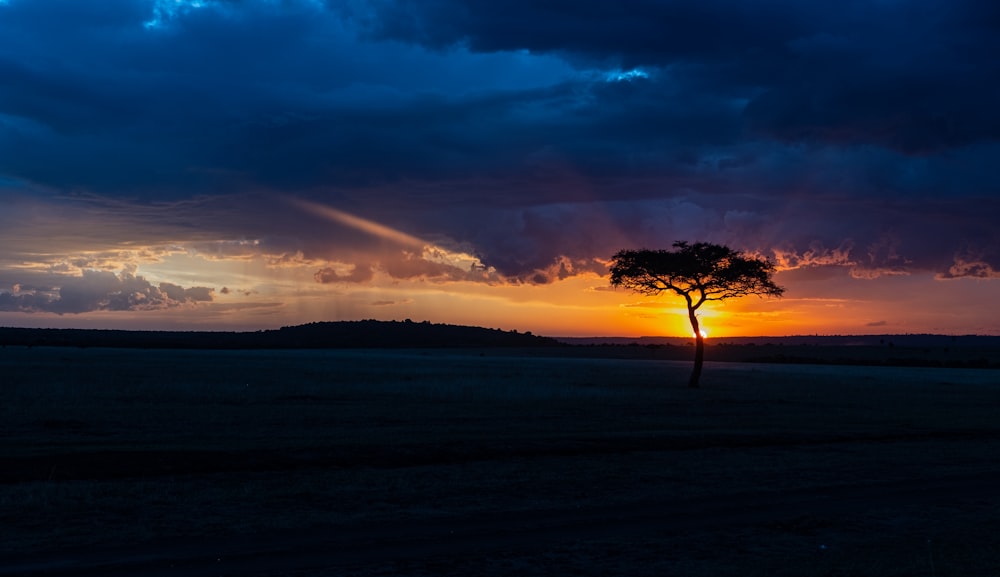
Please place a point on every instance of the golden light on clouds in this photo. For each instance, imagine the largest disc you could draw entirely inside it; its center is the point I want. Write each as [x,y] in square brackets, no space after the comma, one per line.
[261,281]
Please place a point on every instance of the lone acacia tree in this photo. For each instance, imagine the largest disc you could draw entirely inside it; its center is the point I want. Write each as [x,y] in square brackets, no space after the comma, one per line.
[699,272]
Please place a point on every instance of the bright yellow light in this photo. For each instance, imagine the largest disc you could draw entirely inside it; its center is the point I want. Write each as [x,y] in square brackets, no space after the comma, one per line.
[704,333]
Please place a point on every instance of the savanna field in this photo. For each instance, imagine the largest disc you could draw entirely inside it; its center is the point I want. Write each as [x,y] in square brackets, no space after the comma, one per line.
[490,462]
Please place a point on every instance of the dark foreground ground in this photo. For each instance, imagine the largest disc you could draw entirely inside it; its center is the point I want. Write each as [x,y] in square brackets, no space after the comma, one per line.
[116,462]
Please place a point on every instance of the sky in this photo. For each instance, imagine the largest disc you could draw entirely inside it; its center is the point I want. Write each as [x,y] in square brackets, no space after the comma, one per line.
[251,164]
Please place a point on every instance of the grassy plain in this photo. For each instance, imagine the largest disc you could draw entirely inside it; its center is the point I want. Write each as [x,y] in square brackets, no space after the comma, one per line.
[547,464]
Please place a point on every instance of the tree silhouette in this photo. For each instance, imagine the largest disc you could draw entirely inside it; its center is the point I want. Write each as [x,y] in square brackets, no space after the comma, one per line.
[699,272]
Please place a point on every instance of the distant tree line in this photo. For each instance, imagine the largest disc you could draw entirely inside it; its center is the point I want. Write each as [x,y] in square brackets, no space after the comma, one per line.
[321,335]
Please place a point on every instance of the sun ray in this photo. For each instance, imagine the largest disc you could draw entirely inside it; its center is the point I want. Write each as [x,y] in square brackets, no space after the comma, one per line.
[358,223]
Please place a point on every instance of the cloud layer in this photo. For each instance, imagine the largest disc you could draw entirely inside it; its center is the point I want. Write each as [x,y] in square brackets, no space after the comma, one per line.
[101,291]
[513,142]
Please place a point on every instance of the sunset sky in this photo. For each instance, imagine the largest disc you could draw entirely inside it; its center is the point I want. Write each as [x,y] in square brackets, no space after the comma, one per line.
[251,164]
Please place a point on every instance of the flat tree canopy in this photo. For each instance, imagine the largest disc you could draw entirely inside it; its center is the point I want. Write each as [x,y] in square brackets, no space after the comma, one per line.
[699,272]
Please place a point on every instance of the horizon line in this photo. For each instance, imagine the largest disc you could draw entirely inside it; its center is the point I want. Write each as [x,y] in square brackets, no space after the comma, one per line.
[555,337]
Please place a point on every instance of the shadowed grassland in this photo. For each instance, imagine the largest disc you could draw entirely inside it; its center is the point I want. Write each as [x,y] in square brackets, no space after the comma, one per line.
[133,449]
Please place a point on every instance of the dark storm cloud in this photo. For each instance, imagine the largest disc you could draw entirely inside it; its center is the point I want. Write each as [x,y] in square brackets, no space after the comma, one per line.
[538,136]
[915,76]
[126,107]
[923,93]
[232,95]
[644,32]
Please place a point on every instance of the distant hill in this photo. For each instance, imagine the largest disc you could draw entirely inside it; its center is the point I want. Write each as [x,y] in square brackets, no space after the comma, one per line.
[345,334]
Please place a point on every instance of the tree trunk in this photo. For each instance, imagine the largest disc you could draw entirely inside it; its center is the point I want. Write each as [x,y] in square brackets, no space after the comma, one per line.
[699,350]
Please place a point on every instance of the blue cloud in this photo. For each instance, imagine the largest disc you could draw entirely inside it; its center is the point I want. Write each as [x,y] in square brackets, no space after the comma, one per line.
[416,110]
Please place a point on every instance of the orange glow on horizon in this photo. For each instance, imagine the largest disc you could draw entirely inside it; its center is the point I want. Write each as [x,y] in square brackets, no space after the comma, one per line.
[254,290]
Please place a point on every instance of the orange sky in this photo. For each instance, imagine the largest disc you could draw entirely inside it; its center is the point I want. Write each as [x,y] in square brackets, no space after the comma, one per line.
[243,284]
[820,299]
[255,291]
